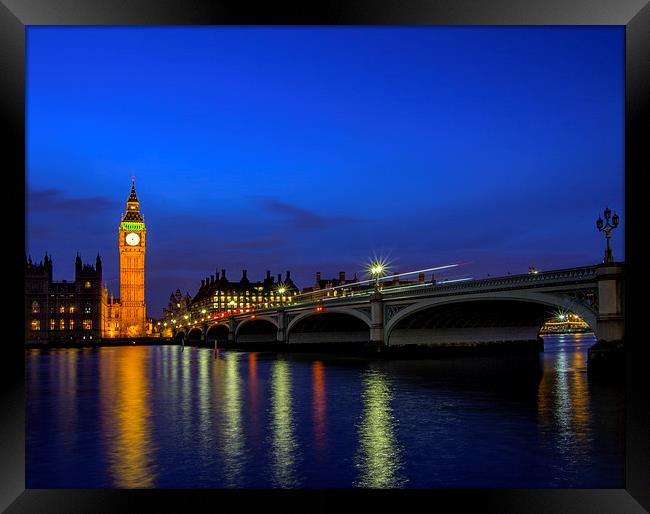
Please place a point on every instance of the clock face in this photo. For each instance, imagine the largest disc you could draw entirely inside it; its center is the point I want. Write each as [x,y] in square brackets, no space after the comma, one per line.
[132,239]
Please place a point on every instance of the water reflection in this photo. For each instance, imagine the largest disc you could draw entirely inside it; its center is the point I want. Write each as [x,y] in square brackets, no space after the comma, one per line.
[320,427]
[67,413]
[284,447]
[158,417]
[379,455]
[252,388]
[126,416]
[232,437]
[563,403]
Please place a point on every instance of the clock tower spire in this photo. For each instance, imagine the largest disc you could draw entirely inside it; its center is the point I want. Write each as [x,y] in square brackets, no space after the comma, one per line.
[132,244]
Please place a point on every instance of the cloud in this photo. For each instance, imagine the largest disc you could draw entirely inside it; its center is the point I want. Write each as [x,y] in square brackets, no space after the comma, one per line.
[254,244]
[303,218]
[54,200]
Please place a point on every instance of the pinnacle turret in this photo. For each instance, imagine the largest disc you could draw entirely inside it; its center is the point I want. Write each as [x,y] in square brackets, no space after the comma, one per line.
[132,197]
[133,206]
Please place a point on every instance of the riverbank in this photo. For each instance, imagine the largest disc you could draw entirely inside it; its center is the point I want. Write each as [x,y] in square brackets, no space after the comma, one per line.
[98,343]
[606,357]
[340,349]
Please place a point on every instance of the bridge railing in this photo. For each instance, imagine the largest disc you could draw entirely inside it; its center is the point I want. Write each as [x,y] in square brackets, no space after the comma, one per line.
[568,275]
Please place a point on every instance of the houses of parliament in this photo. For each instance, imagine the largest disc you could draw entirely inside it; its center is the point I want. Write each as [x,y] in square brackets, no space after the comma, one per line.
[83,309]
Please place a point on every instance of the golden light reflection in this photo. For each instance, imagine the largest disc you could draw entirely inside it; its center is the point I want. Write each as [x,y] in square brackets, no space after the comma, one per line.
[284,446]
[580,396]
[252,389]
[67,415]
[320,426]
[232,443]
[204,397]
[379,455]
[127,417]
[563,398]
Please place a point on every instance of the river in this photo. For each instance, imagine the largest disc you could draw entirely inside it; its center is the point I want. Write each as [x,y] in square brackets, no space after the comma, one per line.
[163,417]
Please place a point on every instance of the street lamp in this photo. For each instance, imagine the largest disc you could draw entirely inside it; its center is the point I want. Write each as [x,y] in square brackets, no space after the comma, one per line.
[377,270]
[281,290]
[607,227]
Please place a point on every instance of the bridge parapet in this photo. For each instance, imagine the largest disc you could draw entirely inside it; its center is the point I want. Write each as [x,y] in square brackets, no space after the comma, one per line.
[566,276]
[585,275]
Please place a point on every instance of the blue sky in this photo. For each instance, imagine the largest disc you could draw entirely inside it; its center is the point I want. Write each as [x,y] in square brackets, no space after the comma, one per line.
[311,149]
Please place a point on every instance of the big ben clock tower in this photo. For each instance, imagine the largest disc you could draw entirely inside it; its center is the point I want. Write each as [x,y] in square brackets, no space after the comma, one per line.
[132,244]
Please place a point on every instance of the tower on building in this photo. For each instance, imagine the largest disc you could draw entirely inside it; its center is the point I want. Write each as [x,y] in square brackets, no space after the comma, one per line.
[132,244]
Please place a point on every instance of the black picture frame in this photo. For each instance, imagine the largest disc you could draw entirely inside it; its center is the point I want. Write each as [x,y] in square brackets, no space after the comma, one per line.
[15,15]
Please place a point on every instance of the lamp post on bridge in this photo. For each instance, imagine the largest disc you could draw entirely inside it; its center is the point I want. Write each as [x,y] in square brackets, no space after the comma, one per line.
[280,291]
[607,227]
[376,270]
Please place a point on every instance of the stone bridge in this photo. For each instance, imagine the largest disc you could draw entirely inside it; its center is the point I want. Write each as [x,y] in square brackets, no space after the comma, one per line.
[511,308]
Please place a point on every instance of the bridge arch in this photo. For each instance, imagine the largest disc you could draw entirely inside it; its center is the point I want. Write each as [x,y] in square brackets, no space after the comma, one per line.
[334,325]
[256,319]
[180,335]
[261,329]
[218,332]
[329,310]
[450,314]
[194,335]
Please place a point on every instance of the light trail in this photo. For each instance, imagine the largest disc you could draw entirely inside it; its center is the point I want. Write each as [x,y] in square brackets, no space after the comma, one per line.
[442,282]
[353,293]
[354,284]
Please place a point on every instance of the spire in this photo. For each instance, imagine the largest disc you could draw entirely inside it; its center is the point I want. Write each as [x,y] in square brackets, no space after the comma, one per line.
[133,197]
[133,206]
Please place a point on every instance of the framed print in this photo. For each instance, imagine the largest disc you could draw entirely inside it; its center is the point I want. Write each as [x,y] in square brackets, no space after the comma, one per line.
[358,250]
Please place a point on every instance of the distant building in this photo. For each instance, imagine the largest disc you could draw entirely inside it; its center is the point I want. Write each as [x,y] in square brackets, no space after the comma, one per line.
[177,308]
[322,288]
[64,311]
[219,296]
[396,281]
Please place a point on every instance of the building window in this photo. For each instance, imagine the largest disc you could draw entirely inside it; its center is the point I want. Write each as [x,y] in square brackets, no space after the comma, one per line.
[36,324]
[88,324]
[71,310]
[87,309]
[36,308]
[87,284]
[71,325]
[61,309]
[52,322]
[61,324]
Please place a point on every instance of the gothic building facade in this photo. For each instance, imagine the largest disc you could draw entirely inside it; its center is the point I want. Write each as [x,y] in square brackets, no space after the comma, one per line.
[82,309]
[64,311]
[219,296]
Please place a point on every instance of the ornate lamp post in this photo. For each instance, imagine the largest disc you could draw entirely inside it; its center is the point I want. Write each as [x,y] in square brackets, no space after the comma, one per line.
[607,227]
[376,270]
[281,291]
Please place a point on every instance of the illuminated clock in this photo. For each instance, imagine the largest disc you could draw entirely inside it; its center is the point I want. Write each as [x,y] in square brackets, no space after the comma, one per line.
[132,239]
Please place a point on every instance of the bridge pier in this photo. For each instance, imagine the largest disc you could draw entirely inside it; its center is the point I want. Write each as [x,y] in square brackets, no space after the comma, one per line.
[232,327]
[377,321]
[610,321]
[282,327]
